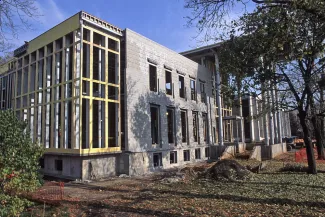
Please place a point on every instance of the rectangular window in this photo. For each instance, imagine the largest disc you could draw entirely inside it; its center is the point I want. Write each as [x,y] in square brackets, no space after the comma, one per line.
[19,80]
[195,126]
[112,44]
[113,64]
[26,80]
[85,123]
[205,127]
[169,88]
[112,124]
[173,157]
[154,113]
[153,78]
[86,34]
[186,155]
[40,74]
[98,124]
[86,61]
[41,162]
[170,124]
[207,152]
[184,125]
[98,64]
[58,165]
[203,94]
[157,159]
[198,153]
[193,90]
[181,86]
[98,39]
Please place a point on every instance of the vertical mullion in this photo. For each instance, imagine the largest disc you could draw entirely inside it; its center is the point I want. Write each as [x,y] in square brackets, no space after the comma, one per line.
[80,88]
[106,94]
[62,103]
[53,91]
[43,104]
[73,114]
[36,97]
[91,92]
[119,97]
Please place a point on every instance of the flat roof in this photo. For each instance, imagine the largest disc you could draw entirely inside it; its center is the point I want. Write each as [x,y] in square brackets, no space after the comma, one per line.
[201,49]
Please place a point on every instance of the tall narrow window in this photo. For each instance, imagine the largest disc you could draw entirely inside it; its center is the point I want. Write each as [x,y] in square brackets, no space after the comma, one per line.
[193,90]
[203,94]
[169,88]
[186,154]
[170,124]
[154,112]
[98,124]
[205,127]
[184,125]
[157,159]
[195,126]
[181,86]
[173,157]
[85,123]
[197,153]
[153,78]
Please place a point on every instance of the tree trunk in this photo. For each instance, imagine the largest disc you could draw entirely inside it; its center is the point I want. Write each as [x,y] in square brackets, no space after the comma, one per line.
[308,143]
[319,137]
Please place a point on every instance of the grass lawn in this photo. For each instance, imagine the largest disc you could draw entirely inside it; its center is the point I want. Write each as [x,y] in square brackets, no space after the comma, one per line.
[271,193]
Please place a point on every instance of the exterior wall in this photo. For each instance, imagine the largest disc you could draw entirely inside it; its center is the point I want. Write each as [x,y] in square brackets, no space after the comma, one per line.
[72,166]
[96,167]
[139,163]
[139,97]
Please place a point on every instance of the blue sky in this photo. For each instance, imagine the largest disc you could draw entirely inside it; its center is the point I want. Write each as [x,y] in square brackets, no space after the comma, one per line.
[160,20]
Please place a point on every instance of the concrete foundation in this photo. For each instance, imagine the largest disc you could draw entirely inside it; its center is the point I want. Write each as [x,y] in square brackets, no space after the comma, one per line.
[80,167]
[135,164]
[262,152]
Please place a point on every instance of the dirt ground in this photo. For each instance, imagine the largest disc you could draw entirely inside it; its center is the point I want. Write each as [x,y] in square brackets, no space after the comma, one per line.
[270,193]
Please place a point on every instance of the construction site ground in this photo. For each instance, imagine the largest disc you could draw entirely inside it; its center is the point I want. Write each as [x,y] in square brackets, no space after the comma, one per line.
[276,191]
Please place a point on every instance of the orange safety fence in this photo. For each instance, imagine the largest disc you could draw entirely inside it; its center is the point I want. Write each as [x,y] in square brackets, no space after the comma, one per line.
[301,156]
[50,192]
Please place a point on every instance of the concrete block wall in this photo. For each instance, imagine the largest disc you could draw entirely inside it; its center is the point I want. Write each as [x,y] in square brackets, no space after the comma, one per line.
[139,98]
[81,167]
[71,166]
[99,166]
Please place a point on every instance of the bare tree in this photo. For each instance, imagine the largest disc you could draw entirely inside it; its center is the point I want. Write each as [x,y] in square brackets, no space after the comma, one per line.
[15,16]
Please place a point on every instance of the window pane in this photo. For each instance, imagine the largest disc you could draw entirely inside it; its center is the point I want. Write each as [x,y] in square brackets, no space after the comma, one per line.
[99,64]
[112,124]
[153,77]
[85,123]
[113,61]
[98,124]
[169,87]
[181,87]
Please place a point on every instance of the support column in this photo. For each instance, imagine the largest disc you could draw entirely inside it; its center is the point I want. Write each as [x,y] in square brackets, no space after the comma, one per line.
[265,116]
[218,99]
[242,133]
[57,104]
[76,90]
[67,116]
[269,103]
[273,110]
[288,123]
[251,114]
[278,117]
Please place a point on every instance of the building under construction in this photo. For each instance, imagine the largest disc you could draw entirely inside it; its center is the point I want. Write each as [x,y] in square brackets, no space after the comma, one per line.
[105,101]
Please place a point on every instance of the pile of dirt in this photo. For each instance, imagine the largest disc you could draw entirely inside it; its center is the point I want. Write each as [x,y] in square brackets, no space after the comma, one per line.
[227,170]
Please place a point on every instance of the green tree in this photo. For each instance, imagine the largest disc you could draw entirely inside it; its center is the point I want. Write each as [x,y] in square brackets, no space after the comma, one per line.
[19,163]
[284,44]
